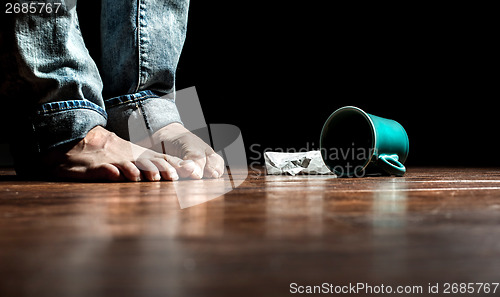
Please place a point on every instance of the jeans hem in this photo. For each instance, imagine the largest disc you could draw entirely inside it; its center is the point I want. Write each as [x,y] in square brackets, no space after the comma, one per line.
[61,106]
[57,123]
[145,109]
[130,98]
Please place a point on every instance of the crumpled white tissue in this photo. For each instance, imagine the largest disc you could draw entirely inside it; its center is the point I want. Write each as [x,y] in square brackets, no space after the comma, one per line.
[294,163]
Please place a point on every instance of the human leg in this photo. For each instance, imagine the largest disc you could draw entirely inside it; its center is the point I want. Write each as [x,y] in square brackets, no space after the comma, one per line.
[53,88]
[142,65]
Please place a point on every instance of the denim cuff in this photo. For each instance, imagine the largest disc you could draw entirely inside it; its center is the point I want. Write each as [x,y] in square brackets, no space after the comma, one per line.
[156,112]
[57,123]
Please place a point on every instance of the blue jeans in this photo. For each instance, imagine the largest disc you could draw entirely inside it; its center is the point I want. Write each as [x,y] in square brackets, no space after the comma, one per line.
[55,86]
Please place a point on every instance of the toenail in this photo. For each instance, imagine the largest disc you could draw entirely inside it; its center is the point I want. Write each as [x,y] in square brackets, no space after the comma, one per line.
[173,175]
[215,174]
[157,177]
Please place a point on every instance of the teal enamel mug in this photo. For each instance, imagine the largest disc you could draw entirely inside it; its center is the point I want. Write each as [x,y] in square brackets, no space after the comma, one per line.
[354,143]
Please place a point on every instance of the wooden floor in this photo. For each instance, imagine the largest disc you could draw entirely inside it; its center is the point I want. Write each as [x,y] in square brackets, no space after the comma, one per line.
[435,225]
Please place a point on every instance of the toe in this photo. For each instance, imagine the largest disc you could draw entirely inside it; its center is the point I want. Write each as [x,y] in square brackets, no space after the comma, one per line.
[193,168]
[185,168]
[105,172]
[214,167]
[130,171]
[167,171]
[148,169]
[200,160]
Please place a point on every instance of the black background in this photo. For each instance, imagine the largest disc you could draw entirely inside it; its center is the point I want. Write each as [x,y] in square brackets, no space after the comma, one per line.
[278,69]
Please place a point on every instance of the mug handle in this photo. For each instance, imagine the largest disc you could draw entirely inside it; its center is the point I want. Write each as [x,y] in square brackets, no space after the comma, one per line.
[391,164]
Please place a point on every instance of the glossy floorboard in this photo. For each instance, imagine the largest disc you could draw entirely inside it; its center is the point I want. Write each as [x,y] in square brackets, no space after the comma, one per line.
[433,226]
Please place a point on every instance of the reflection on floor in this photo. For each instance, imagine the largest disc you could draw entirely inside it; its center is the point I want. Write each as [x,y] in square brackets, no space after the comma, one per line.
[435,225]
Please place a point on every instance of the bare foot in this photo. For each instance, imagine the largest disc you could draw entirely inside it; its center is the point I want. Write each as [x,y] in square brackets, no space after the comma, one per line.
[102,155]
[177,141]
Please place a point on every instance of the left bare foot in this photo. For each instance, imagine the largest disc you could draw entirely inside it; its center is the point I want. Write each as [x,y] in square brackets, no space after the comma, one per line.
[177,141]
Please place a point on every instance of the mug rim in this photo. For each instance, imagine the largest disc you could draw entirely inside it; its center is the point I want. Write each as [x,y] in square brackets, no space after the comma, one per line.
[372,129]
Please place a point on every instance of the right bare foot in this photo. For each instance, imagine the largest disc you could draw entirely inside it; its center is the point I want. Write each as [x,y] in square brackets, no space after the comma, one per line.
[102,155]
